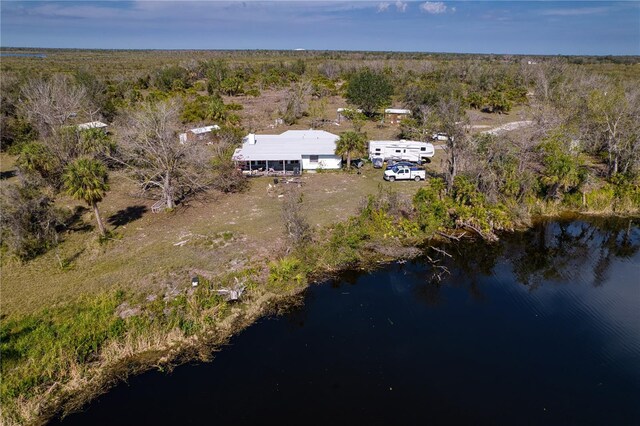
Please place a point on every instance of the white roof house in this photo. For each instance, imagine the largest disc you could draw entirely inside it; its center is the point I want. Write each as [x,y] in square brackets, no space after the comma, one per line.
[301,149]
[92,125]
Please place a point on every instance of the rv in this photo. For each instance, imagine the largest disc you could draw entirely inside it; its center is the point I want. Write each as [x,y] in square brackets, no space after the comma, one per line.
[401,150]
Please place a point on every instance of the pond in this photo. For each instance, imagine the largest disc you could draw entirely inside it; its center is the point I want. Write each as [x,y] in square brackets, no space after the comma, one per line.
[540,328]
[23,55]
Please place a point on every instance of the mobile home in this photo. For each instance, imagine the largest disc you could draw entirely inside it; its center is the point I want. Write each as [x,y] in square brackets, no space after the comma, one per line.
[401,150]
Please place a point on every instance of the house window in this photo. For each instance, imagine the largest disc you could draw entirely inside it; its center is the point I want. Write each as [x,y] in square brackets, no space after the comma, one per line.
[313,158]
[377,149]
[398,151]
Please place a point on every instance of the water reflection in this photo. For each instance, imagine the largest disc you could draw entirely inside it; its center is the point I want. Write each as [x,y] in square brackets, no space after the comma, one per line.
[542,326]
[549,252]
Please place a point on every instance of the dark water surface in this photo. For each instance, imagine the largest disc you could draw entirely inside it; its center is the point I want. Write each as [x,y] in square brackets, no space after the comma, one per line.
[24,55]
[542,328]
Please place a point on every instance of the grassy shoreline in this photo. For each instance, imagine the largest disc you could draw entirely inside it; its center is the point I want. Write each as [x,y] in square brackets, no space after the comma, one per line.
[193,324]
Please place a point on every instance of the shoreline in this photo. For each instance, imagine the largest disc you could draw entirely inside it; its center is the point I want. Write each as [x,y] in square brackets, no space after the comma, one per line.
[170,349]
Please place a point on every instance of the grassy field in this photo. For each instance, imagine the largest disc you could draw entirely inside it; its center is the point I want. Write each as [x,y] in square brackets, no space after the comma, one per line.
[222,232]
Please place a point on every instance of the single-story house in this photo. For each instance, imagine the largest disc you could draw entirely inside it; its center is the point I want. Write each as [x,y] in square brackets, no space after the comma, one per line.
[198,134]
[291,151]
[92,125]
[394,115]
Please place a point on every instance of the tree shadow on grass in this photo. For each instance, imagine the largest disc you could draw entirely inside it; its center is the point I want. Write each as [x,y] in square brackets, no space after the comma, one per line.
[68,262]
[128,215]
[7,174]
[75,222]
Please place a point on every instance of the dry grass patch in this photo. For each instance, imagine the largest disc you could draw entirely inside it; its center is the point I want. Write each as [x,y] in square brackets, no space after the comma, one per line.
[154,251]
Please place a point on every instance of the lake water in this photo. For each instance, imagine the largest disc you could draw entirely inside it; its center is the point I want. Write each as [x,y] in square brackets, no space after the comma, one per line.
[542,328]
[23,55]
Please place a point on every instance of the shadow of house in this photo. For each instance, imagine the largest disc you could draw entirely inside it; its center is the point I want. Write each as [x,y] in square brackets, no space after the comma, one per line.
[128,215]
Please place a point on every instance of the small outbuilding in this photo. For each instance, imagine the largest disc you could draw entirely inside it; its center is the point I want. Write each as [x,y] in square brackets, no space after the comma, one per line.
[290,152]
[199,134]
[395,115]
[92,125]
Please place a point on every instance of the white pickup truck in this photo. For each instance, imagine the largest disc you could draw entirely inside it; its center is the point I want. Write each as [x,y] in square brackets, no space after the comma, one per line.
[404,173]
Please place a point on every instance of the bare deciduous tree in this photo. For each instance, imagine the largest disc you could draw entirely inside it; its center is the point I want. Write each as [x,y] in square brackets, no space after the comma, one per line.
[297,228]
[49,104]
[317,110]
[329,70]
[226,176]
[613,115]
[454,122]
[151,149]
[421,125]
[297,101]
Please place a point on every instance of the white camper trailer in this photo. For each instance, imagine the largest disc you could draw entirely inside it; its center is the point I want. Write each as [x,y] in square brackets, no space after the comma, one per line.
[401,150]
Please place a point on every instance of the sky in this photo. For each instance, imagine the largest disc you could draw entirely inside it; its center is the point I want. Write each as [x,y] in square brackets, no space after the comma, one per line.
[517,27]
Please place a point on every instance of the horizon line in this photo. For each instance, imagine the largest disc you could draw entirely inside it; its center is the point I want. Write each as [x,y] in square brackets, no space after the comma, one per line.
[106,49]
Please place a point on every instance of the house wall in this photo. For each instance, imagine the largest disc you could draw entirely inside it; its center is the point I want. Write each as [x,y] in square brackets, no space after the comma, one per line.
[394,118]
[194,137]
[330,162]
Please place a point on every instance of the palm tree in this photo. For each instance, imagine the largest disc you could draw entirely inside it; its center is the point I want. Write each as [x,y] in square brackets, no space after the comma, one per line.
[351,142]
[87,179]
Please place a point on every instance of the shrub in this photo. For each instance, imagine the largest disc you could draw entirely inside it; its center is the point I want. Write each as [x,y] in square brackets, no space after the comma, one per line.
[37,162]
[432,208]
[286,274]
[563,170]
[297,228]
[172,78]
[601,199]
[28,221]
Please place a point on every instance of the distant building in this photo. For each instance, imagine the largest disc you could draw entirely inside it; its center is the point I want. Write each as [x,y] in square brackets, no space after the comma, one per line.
[199,134]
[92,125]
[292,151]
[395,115]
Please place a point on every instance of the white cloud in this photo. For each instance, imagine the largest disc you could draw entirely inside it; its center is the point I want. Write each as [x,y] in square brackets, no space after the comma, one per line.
[433,7]
[401,6]
[383,7]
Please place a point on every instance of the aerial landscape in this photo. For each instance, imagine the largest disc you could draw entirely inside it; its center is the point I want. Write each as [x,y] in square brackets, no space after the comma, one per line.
[303,212]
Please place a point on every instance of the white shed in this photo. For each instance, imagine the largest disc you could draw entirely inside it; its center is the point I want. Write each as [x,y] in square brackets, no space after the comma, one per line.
[395,115]
[291,151]
[92,125]
[198,134]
